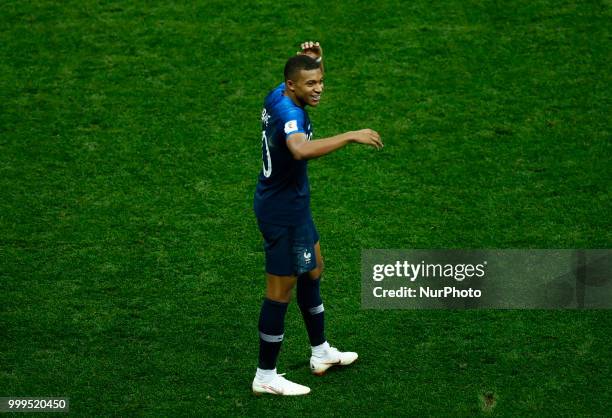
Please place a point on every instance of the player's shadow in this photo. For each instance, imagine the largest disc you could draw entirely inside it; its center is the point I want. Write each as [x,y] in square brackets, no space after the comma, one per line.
[301,365]
[586,285]
[298,365]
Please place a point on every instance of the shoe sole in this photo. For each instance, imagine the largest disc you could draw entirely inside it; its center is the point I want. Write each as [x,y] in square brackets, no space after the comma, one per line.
[277,394]
[322,372]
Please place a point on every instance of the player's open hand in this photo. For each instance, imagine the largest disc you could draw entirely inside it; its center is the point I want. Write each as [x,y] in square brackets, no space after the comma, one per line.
[367,137]
[312,49]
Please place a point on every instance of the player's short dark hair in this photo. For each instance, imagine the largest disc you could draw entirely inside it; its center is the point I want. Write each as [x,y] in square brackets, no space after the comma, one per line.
[298,63]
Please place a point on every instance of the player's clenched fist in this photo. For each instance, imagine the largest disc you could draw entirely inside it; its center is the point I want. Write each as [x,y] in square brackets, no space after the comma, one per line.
[367,137]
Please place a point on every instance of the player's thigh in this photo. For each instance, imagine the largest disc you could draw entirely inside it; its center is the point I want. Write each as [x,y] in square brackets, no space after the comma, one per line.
[318,271]
[279,288]
[278,248]
[308,250]
[280,275]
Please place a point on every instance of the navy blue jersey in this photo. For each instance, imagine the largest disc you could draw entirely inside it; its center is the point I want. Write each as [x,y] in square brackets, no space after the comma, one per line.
[282,196]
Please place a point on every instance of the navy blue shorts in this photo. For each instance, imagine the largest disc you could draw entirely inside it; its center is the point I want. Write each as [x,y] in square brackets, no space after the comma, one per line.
[289,249]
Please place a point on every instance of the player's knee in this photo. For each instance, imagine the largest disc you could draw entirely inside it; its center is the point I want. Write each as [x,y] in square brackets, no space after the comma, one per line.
[280,294]
[279,288]
[317,272]
[282,297]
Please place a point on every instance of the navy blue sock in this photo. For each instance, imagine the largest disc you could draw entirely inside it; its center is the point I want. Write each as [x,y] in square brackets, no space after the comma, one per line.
[311,305]
[271,332]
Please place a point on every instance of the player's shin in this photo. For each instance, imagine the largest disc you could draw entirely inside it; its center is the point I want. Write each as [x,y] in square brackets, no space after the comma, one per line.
[271,332]
[311,306]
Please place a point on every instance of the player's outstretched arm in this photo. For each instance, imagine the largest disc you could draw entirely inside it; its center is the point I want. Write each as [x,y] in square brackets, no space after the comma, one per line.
[303,149]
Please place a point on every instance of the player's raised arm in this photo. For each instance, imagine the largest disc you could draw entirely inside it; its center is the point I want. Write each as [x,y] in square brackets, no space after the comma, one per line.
[302,149]
[304,86]
[313,50]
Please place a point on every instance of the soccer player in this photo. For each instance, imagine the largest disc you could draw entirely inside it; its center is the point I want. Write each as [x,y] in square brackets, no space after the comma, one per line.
[282,207]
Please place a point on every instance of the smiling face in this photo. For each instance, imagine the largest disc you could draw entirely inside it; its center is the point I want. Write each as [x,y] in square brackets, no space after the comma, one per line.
[307,88]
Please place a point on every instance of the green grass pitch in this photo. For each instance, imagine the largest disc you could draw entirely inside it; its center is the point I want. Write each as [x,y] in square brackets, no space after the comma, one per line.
[131,267]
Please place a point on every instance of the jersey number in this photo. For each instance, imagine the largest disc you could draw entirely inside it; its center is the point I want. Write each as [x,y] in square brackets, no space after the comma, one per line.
[266,159]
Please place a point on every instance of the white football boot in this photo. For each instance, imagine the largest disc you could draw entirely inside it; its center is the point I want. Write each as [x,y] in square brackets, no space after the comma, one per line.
[279,386]
[331,357]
